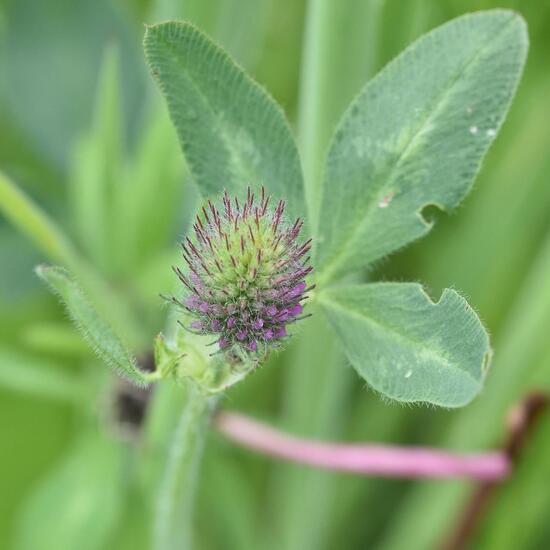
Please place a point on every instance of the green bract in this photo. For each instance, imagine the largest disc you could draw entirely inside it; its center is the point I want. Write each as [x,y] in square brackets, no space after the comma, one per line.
[94,329]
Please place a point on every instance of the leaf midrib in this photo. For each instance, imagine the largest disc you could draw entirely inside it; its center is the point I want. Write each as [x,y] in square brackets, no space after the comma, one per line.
[327,273]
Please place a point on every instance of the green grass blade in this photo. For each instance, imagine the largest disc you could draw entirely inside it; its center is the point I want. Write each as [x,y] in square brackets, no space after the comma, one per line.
[33,222]
[97,171]
[29,374]
[79,503]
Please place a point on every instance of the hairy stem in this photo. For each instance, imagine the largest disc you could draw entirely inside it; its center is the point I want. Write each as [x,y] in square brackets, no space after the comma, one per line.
[174,507]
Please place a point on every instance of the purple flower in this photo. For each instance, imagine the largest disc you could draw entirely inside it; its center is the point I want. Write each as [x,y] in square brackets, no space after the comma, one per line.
[245,274]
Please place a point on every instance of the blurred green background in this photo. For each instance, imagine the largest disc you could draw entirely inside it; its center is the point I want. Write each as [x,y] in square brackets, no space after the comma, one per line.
[83,133]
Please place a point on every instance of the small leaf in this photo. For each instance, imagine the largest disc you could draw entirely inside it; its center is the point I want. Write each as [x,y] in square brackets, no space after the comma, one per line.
[231,132]
[79,503]
[408,347]
[416,136]
[94,329]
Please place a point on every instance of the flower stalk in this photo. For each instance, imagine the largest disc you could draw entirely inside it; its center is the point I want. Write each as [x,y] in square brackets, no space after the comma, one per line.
[377,460]
[173,525]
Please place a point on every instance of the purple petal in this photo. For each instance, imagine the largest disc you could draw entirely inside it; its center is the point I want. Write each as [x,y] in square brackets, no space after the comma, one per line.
[258,324]
[268,334]
[298,289]
[223,342]
[216,325]
[204,307]
[296,310]
[192,301]
[283,315]
[271,311]
[231,322]
[196,325]
[241,335]
[252,346]
[280,332]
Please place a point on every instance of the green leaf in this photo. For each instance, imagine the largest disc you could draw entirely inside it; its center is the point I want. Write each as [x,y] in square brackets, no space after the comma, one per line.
[406,346]
[416,136]
[26,373]
[97,170]
[33,222]
[78,504]
[155,177]
[231,132]
[94,329]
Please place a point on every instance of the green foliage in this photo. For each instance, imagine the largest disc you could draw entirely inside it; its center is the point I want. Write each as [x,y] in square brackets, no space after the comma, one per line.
[231,132]
[77,505]
[32,221]
[407,347]
[486,251]
[416,136]
[23,372]
[94,329]
[97,170]
[498,531]
[176,489]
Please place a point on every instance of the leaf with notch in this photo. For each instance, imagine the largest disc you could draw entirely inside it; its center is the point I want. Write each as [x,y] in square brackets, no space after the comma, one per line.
[94,329]
[406,346]
[231,132]
[416,136]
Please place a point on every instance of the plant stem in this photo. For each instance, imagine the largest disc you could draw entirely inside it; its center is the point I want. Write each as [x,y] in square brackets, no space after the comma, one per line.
[174,508]
[381,460]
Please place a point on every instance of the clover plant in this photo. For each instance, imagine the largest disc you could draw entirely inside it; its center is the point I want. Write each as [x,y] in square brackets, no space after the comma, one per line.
[268,250]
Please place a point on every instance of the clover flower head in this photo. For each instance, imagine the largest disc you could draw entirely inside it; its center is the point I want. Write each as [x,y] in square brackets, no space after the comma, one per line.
[245,274]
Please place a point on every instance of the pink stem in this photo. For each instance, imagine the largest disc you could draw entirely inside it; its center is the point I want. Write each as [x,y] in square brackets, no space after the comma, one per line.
[380,460]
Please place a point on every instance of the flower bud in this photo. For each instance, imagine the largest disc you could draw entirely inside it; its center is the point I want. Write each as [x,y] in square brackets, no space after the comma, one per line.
[245,275]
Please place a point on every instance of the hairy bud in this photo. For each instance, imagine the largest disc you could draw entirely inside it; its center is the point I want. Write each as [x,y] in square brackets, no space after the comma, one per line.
[245,274]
